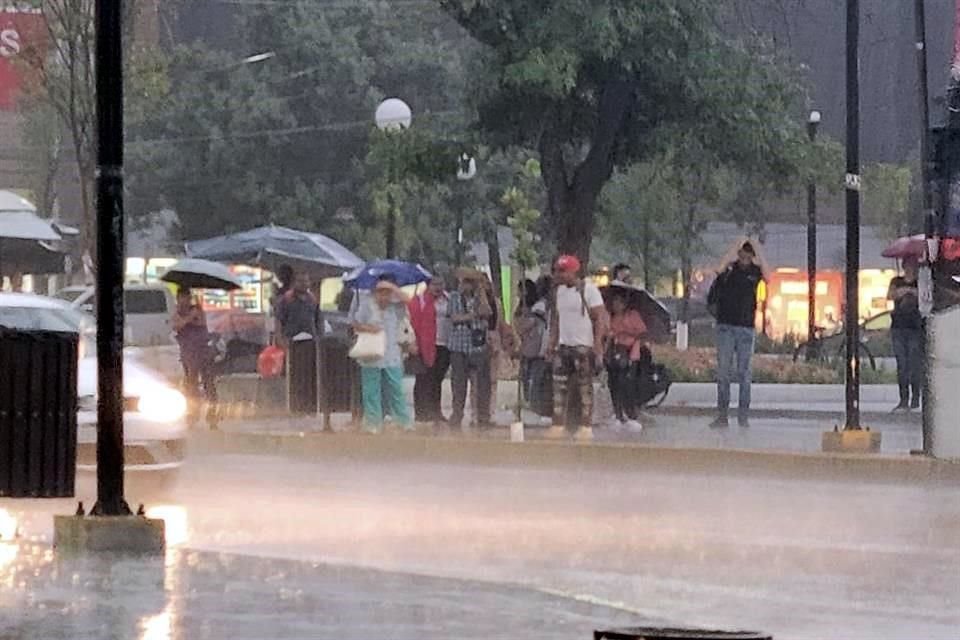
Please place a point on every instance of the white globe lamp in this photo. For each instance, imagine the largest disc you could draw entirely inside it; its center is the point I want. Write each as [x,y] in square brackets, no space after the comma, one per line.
[393,114]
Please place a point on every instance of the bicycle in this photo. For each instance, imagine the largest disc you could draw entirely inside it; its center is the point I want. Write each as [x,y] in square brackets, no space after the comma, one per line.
[824,353]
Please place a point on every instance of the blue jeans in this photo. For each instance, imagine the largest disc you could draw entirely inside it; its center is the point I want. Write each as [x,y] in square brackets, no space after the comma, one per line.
[734,342]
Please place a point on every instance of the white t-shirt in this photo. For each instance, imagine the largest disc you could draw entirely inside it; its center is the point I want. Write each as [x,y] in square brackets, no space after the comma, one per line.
[576,327]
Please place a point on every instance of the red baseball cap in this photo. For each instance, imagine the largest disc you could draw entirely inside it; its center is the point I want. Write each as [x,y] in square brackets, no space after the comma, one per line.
[568,263]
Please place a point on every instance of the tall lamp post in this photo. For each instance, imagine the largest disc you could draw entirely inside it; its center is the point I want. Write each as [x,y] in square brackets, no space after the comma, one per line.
[466,171]
[110,267]
[392,116]
[852,184]
[929,216]
[813,122]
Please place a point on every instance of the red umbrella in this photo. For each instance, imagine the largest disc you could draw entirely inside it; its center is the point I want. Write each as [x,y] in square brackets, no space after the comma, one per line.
[907,247]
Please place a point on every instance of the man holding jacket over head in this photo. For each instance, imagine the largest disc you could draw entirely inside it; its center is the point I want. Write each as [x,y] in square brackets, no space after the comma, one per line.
[733,302]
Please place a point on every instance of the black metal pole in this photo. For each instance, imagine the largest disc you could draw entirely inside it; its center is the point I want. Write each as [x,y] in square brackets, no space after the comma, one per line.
[929,216]
[811,252]
[110,267]
[391,227]
[852,319]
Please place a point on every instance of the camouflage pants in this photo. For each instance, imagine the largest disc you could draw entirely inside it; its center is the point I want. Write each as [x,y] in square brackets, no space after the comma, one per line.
[573,372]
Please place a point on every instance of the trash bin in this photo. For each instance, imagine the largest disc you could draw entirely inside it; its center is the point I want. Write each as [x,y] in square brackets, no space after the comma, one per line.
[302,375]
[38,414]
[340,379]
[651,633]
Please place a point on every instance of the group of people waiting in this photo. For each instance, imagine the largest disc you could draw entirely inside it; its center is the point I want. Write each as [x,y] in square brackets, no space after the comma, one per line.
[566,337]
[430,334]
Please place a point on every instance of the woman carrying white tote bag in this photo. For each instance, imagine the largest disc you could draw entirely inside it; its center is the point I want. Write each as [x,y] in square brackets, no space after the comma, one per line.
[380,327]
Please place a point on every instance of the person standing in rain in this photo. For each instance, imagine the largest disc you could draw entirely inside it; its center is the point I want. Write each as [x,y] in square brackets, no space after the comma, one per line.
[907,335]
[298,310]
[578,323]
[622,273]
[382,380]
[197,357]
[470,314]
[427,311]
[733,301]
[622,360]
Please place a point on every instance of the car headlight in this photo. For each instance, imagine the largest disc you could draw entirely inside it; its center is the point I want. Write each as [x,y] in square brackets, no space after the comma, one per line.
[162,405]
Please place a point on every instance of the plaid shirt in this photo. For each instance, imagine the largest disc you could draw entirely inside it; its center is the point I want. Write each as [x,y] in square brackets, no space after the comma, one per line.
[461,333]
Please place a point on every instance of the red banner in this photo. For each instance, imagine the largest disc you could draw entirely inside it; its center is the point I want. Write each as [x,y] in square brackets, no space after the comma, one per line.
[21,30]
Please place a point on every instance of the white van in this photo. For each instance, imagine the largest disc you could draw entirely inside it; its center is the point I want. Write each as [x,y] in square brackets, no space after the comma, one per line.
[148,309]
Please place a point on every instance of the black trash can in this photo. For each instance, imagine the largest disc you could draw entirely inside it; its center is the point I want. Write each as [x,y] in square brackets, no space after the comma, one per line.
[660,633]
[340,379]
[302,376]
[38,414]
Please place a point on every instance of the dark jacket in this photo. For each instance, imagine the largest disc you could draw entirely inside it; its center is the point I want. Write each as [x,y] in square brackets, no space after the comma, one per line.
[733,295]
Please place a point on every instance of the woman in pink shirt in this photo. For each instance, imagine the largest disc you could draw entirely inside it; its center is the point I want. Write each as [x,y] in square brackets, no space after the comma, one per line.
[623,354]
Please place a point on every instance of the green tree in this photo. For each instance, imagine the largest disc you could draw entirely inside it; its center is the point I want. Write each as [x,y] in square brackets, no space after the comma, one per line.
[886,198]
[591,84]
[285,140]
[63,82]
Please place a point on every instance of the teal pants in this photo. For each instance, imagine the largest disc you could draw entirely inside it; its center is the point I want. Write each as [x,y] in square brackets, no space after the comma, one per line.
[379,386]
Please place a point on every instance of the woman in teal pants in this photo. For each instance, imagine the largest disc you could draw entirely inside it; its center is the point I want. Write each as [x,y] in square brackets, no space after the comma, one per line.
[382,380]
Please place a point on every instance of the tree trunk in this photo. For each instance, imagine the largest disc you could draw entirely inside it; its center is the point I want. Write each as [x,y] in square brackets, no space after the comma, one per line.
[646,254]
[496,268]
[686,260]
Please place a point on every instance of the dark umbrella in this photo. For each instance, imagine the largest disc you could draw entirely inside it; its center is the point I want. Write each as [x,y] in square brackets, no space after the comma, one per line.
[401,273]
[654,314]
[272,246]
[193,273]
[24,239]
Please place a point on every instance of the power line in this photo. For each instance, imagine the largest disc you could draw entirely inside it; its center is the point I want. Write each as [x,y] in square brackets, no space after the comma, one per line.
[261,133]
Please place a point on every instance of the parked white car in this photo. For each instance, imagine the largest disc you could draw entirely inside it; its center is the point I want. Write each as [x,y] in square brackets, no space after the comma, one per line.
[147,309]
[154,426]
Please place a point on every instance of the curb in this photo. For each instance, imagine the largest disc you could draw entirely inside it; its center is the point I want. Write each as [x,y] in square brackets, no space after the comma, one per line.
[614,457]
[870,417]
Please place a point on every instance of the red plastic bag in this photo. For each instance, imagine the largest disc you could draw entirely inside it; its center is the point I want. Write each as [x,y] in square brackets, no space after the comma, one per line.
[270,362]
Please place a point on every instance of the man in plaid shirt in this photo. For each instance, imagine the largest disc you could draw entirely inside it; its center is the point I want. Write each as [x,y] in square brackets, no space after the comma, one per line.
[469,314]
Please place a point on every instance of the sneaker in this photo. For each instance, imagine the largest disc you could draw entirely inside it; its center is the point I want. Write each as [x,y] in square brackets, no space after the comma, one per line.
[556,432]
[915,404]
[743,421]
[901,408]
[720,422]
[616,425]
[583,434]
[633,426]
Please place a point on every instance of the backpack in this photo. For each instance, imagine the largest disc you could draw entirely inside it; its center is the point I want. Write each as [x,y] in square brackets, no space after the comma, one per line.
[531,344]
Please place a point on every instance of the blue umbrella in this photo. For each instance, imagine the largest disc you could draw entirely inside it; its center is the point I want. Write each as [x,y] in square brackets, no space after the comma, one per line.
[272,246]
[401,273]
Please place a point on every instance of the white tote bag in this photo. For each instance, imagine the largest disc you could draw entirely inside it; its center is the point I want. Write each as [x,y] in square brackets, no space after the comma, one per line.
[369,347]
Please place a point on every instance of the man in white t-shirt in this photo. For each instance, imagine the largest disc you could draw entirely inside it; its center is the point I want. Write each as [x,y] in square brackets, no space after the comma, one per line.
[577,328]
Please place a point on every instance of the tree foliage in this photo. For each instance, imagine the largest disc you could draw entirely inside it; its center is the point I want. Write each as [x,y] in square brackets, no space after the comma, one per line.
[599,85]
[285,140]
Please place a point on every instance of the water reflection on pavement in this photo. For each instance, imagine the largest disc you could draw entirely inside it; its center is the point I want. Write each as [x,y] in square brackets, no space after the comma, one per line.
[194,595]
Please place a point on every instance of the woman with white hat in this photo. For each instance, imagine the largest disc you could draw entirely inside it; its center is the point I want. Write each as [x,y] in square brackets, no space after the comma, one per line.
[382,378]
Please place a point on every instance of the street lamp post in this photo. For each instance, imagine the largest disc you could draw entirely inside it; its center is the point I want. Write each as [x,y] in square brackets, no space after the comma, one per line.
[466,171]
[392,116]
[852,184]
[929,216]
[108,19]
[812,124]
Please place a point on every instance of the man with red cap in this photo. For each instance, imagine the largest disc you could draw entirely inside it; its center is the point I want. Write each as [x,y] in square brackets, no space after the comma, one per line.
[577,328]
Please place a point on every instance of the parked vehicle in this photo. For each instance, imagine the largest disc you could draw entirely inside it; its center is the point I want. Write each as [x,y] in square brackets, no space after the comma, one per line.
[148,309]
[154,429]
